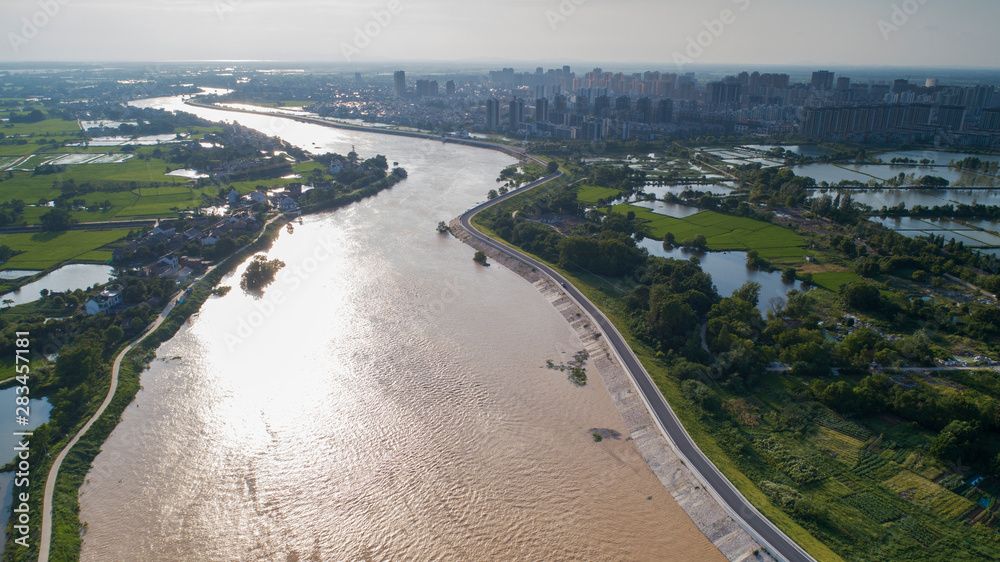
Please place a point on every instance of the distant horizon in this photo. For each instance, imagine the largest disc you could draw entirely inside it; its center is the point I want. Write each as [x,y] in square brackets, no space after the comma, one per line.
[553,63]
[519,65]
[882,33]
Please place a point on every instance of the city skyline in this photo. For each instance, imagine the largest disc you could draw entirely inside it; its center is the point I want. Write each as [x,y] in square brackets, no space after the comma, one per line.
[677,34]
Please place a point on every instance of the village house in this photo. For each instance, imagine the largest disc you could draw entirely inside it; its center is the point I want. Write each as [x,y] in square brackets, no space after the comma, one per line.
[258,197]
[287,204]
[166,229]
[103,302]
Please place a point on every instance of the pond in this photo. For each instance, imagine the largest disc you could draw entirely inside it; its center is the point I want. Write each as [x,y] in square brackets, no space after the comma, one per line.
[66,278]
[185,173]
[878,198]
[6,497]
[935,156]
[661,191]
[39,414]
[949,229]
[39,411]
[834,173]
[17,273]
[810,150]
[729,272]
[669,209]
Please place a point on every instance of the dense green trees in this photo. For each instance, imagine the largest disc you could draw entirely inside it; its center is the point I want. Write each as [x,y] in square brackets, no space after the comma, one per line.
[610,253]
[780,187]
[861,295]
[260,273]
[56,220]
[623,178]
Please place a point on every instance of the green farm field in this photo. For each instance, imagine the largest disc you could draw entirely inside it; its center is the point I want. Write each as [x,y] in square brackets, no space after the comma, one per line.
[593,193]
[43,250]
[723,232]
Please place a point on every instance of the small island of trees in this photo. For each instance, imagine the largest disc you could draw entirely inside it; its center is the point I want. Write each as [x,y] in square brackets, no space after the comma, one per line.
[260,273]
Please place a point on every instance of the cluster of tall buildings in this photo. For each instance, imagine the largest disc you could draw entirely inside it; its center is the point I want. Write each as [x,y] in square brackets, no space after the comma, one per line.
[423,88]
[560,103]
[901,112]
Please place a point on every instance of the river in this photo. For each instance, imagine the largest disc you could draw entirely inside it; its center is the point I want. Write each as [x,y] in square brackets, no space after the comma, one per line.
[386,399]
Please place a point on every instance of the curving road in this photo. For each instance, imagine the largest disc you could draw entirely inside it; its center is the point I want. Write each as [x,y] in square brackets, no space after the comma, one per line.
[50,482]
[738,507]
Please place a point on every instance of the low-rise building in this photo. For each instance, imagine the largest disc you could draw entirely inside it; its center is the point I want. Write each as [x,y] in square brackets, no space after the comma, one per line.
[103,302]
[258,197]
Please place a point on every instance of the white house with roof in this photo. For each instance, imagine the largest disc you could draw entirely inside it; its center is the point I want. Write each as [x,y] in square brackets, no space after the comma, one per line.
[258,197]
[286,204]
[103,302]
[164,229]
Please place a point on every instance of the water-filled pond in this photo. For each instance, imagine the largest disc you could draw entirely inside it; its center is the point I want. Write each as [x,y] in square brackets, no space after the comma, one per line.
[66,278]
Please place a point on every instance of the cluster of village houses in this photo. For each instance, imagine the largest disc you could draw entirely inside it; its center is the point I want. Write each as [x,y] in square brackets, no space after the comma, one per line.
[206,231]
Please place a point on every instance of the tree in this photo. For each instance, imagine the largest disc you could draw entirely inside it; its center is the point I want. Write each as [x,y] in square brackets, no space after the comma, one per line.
[788,274]
[135,292]
[861,296]
[8,302]
[113,334]
[552,167]
[859,348]
[670,317]
[260,273]
[56,220]
[480,258]
[668,240]
[492,194]
[749,292]
[954,438]
[699,393]
[698,243]
[839,396]
[868,268]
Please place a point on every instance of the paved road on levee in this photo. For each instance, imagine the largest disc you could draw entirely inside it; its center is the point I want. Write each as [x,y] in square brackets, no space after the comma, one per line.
[45,542]
[759,527]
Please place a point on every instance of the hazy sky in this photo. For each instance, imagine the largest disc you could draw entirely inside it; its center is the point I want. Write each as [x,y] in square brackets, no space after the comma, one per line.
[830,32]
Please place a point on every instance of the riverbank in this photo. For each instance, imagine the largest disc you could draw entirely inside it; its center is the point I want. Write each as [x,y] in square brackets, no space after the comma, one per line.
[678,479]
[60,512]
[515,152]
[144,409]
